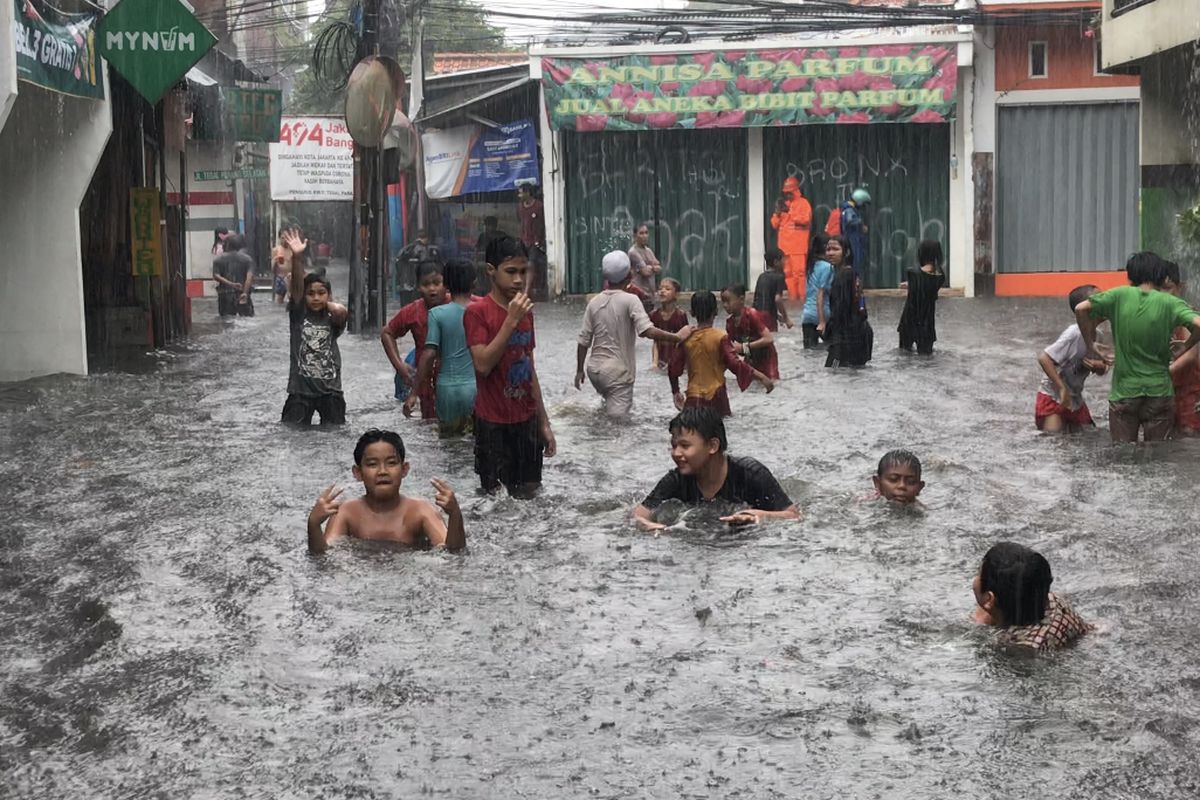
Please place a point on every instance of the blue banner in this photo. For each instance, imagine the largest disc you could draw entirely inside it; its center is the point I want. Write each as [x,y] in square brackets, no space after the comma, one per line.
[474,159]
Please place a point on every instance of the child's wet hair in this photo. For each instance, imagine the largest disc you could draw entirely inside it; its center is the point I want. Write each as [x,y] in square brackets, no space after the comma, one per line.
[376,435]
[1020,580]
[701,420]
[318,276]
[847,250]
[1146,267]
[428,267]
[1171,270]
[459,276]
[737,289]
[704,306]
[929,251]
[676,285]
[772,255]
[1081,293]
[502,248]
[899,458]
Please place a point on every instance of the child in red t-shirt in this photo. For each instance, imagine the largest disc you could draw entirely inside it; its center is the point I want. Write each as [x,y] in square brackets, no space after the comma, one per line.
[415,317]
[512,429]
[668,317]
[749,332]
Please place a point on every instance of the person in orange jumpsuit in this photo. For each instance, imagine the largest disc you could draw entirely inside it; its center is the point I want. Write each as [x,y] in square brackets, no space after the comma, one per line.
[792,221]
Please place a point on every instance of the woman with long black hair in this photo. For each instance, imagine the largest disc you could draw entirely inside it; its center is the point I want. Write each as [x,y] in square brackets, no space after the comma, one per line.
[850,336]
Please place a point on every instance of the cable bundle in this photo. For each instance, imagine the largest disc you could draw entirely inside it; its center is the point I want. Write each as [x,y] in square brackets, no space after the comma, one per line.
[334,55]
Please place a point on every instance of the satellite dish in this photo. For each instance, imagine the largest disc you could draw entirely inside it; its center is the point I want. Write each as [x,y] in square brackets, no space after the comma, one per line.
[402,138]
[370,101]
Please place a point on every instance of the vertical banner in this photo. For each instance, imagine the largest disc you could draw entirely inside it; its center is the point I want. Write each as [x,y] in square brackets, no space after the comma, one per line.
[145,223]
[57,51]
[753,88]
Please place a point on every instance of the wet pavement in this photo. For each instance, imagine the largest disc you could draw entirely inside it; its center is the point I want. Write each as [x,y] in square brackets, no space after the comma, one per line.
[164,633]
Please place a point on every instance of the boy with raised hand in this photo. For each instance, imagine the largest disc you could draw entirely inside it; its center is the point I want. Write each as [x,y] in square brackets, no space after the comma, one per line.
[1143,318]
[704,473]
[315,378]
[512,429]
[382,513]
[612,323]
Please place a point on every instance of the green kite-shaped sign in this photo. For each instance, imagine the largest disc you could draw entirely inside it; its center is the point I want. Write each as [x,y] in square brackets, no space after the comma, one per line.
[153,43]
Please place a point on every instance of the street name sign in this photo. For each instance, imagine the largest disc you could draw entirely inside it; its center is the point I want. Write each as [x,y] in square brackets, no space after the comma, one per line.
[153,43]
[230,174]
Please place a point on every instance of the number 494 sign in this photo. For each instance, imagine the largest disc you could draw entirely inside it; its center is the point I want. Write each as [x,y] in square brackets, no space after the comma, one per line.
[153,43]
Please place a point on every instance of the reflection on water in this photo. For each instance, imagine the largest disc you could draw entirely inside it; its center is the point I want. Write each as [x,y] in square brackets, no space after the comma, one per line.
[164,632]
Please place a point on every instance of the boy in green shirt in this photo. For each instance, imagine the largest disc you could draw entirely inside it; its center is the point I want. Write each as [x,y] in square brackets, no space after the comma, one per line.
[1142,317]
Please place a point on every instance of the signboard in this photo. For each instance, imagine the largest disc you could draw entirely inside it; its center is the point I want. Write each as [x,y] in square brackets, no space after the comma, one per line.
[247,173]
[57,51]
[145,223]
[252,115]
[313,160]
[152,43]
[472,159]
[753,88]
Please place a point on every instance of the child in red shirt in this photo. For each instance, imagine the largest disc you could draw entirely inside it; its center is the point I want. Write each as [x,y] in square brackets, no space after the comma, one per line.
[512,429]
[415,317]
[749,332]
[668,317]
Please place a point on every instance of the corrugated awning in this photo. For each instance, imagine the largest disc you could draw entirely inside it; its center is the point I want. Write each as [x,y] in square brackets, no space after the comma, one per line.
[470,101]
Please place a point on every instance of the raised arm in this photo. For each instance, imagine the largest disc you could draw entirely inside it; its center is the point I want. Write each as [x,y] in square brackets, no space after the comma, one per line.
[297,246]
[1087,325]
[659,335]
[453,534]
[487,356]
[320,534]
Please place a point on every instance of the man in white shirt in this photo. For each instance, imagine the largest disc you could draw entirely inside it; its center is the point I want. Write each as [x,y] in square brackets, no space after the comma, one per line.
[613,321]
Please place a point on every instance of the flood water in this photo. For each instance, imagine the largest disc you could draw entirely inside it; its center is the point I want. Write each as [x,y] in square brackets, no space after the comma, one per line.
[164,633]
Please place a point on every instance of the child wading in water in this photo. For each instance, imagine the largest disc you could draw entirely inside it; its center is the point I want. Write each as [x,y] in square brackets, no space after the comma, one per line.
[749,332]
[1012,591]
[315,377]
[917,320]
[898,478]
[768,292]
[1060,405]
[706,354]
[667,317]
[446,341]
[382,513]
[415,317]
[1185,370]
[850,336]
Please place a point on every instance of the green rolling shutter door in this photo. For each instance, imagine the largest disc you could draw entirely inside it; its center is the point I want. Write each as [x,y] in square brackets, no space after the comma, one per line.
[906,168]
[689,185]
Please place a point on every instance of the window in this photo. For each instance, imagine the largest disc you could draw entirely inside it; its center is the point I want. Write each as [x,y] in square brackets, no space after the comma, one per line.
[1121,6]
[1037,60]
[1098,59]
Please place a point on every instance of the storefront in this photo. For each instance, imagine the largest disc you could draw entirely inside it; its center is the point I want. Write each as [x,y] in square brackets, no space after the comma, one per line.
[697,144]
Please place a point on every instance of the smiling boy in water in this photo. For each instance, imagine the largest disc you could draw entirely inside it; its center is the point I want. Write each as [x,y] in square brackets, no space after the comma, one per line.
[382,513]
[704,473]
[898,478]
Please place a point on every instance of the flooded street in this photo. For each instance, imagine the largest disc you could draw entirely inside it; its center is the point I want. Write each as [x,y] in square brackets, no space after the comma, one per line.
[166,634]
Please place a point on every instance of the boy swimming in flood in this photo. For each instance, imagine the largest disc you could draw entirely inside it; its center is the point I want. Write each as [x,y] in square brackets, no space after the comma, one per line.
[898,478]
[1012,591]
[382,513]
[1060,405]
[704,473]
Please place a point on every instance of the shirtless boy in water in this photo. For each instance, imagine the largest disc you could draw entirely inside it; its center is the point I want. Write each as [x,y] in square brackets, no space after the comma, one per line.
[383,514]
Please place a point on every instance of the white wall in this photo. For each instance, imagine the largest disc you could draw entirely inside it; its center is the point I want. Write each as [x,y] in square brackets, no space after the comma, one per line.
[961,258]
[203,219]
[8,62]
[49,149]
[1147,30]
[1166,134]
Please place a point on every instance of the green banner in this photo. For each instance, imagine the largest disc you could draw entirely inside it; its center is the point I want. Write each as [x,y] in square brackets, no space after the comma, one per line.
[752,88]
[57,51]
[252,115]
[152,43]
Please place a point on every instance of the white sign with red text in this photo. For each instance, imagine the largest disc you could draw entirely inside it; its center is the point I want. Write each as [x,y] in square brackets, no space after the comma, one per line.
[313,160]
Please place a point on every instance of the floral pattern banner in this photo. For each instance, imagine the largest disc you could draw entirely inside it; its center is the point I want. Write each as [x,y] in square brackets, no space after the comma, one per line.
[752,88]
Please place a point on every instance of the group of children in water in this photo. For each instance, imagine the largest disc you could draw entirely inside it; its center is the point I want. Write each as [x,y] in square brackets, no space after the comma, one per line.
[486,382]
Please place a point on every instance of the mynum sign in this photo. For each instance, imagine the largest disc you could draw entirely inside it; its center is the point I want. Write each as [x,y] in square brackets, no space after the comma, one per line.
[153,43]
[752,88]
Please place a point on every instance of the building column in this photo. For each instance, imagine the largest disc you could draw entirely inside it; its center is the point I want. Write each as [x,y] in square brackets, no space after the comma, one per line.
[755,211]
[961,258]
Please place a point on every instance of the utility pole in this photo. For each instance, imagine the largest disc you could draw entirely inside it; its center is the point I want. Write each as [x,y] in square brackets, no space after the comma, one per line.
[367,300]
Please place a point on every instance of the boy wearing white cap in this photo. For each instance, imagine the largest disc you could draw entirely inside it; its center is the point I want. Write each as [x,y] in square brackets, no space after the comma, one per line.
[611,324]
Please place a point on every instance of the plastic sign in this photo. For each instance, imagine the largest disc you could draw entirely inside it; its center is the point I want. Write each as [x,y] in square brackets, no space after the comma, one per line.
[153,43]
[57,51]
[313,160]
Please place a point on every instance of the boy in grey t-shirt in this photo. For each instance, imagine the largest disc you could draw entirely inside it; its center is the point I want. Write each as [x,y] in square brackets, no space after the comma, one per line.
[1060,404]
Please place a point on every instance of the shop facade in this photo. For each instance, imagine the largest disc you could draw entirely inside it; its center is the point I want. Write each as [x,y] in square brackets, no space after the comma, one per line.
[697,142]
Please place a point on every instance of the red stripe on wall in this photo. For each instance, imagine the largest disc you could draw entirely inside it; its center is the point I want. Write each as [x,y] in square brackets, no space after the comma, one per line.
[203,199]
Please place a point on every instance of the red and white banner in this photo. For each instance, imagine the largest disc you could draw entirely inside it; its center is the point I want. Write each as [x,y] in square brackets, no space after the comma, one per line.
[313,160]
